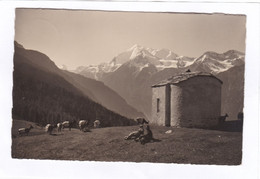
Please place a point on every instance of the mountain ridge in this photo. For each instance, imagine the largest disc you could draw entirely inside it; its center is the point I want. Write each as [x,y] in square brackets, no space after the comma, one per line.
[162,59]
[45,97]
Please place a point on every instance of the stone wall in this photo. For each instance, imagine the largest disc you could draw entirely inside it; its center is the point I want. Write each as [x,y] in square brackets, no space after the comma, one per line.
[176,105]
[158,117]
[196,102]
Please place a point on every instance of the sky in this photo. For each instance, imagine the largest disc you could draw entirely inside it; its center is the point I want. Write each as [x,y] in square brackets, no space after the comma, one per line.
[80,37]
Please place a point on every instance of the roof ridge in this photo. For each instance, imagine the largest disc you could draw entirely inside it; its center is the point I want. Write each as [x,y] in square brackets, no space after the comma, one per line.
[183,77]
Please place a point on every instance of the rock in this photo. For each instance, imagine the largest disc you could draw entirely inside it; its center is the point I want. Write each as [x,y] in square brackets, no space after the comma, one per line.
[168,132]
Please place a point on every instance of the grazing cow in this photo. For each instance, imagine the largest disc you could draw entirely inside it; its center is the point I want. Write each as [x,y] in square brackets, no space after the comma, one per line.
[96,123]
[83,124]
[59,126]
[135,134]
[141,120]
[49,128]
[24,130]
[68,124]
[222,119]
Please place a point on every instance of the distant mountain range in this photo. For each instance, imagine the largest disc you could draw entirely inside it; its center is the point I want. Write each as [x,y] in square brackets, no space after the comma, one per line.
[141,57]
[132,73]
[43,93]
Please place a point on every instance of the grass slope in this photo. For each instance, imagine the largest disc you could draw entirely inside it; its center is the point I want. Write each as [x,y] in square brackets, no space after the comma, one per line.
[183,145]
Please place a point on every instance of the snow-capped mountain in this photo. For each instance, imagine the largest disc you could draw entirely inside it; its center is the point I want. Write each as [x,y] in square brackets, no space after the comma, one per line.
[96,71]
[215,63]
[141,57]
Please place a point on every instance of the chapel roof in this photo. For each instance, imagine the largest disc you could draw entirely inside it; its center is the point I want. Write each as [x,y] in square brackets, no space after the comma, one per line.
[183,77]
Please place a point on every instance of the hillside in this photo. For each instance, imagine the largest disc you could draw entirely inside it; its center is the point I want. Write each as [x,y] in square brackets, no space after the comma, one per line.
[41,95]
[232,91]
[101,94]
[108,144]
[95,90]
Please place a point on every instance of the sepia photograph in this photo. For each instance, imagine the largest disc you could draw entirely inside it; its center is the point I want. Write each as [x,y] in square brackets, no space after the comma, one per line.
[128,86]
[150,91]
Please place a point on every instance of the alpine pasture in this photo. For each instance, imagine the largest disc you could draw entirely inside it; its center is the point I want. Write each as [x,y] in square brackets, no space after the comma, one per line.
[180,145]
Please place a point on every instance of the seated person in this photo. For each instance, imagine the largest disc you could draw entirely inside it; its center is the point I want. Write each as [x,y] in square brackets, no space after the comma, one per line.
[135,134]
[146,137]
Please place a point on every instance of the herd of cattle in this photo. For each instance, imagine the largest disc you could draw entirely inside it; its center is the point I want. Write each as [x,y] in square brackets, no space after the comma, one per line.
[82,124]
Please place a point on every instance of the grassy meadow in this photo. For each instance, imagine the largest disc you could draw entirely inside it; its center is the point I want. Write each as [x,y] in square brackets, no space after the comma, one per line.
[182,145]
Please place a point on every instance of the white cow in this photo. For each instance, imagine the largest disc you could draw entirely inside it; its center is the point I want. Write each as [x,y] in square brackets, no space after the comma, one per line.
[49,128]
[96,123]
[68,124]
[59,126]
[24,130]
[83,124]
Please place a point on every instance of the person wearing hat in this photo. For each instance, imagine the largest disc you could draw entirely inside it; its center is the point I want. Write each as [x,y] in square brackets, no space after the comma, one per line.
[145,138]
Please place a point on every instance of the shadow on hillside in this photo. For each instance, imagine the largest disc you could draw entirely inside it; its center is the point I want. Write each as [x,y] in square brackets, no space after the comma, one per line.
[231,126]
[151,141]
[56,134]
[33,133]
[157,140]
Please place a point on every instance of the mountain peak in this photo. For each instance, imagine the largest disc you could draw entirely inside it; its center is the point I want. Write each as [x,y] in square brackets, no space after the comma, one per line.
[135,46]
[233,51]
[211,53]
[218,62]
[227,54]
